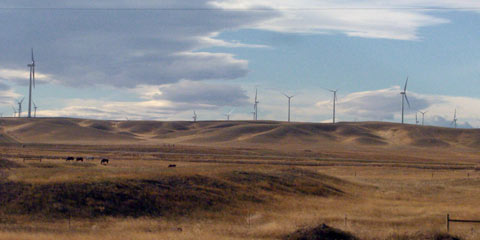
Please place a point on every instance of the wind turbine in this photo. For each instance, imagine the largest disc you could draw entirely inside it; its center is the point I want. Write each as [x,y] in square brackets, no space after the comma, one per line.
[289,98]
[194,116]
[454,122]
[14,111]
[423,117]
[255,106]
[32,81]
[335,99]
[416,118]
[404,98]
[20,107]
[229,114]
[35,110]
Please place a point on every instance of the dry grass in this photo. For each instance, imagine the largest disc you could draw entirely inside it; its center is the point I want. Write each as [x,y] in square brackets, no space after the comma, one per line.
[387,193]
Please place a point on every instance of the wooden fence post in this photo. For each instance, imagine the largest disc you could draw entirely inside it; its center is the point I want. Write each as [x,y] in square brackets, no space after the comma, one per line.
[448,222]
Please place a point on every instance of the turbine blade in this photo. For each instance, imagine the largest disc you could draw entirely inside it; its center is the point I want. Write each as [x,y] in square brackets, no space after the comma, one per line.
[33,60]
[405,88]
[406,98]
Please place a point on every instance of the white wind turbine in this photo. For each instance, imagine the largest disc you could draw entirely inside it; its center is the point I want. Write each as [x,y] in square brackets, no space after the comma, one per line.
[20,107]
[289,99]
[335,99]
[194,116]
[255,106]
[32,81]
[35,109]
[423,117]
[454,122]
[416,118]
[404,98]
[229,114]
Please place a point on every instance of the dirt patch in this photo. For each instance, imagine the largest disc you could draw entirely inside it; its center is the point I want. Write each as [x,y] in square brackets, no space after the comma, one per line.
[321,232]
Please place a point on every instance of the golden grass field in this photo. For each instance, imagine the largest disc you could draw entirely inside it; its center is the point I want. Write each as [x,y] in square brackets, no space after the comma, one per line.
[234,180]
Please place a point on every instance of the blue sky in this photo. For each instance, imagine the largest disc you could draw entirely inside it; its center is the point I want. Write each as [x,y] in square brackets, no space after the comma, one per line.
[153,63]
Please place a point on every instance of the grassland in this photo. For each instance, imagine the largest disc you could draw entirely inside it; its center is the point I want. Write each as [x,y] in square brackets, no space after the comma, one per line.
[240,188]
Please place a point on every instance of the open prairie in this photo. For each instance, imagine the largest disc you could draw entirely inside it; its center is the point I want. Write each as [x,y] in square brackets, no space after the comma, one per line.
[234,179]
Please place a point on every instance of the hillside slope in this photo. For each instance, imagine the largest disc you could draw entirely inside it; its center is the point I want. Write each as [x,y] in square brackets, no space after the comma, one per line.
[234,133]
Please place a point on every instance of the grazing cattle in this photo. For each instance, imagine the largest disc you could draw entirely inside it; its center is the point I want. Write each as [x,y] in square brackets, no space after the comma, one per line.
[172,165]
[104,161]
[69,159]
[79,159]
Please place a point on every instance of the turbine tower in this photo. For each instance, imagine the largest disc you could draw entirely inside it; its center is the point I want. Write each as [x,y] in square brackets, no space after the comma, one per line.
[454,122]
[32,81]
[194,116]
[423,117]
[416,118]
[334,102]
[34,109]
[289,99]
[229,114]
[255,106]
[404,98]
[20,107]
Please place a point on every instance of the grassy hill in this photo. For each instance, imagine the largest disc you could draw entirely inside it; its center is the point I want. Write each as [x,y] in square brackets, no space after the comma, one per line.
[239,133]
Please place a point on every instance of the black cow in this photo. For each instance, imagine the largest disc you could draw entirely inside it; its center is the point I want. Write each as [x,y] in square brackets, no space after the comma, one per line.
[70,159]
[172,165]
[104,161]
[79,159]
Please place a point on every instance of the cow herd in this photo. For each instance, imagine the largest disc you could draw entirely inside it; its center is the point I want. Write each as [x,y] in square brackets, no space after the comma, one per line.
[103,161]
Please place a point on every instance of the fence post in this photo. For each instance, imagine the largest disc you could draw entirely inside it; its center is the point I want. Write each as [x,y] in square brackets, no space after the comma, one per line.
[448,222]
[345,220]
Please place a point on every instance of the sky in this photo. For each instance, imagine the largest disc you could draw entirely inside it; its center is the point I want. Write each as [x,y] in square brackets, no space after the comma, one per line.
[162,60]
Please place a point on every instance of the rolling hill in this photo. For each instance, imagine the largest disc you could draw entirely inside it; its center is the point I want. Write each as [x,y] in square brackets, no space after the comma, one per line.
[234,133]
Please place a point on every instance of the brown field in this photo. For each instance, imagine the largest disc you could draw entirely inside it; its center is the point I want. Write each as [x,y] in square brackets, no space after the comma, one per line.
[235,179]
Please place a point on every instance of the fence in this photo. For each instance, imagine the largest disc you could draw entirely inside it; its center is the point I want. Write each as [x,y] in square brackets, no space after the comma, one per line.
[449,220]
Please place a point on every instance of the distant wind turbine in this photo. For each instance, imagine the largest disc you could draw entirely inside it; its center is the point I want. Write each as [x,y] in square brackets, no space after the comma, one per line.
[289,99]
[194,116]
[229,114]
[20,107]
[334,102]
[255,106]
[35,110]
[454,122]
[423,117]
[416,118]
[404,98]
[32,81]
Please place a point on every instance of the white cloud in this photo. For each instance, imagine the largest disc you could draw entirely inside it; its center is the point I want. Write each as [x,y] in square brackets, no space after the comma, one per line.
[368,18]
[21,77]
[131,48]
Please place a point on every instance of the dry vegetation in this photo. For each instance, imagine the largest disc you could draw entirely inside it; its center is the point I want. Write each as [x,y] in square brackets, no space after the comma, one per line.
[235,180]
